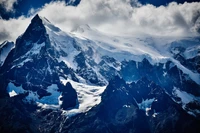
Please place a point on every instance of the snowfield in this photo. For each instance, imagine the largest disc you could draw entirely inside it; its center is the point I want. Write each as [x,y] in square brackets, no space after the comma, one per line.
[88,96]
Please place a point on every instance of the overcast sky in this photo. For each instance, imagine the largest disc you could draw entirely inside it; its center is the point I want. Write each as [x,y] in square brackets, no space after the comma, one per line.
[153,17]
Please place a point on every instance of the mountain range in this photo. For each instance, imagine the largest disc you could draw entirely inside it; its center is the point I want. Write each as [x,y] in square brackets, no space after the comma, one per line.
[88,81]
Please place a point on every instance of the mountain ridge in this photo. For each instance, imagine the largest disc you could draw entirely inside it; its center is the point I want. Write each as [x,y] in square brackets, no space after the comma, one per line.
[88,76]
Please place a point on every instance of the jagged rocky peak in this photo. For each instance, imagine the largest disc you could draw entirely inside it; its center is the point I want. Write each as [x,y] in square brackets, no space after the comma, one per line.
[35,34]
[39,21]
[36,19]
[33,66]
[36,28]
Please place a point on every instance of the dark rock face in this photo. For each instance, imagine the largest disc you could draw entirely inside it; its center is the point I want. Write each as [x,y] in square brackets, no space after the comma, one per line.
[166,77]
[15,116]
[87,72]
[35,34]
[106,70]
[69,97]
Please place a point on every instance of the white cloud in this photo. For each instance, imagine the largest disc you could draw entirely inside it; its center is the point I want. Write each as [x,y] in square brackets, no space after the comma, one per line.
[8,4]
[95,13]
[116,17]
[12,28]
[174,19]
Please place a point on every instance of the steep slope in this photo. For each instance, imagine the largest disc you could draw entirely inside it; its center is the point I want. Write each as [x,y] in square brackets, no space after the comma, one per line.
[5,48]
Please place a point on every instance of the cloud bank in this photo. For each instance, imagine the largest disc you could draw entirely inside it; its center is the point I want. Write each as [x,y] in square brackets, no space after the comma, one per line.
[12,28]
[8,4]
[117,17]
